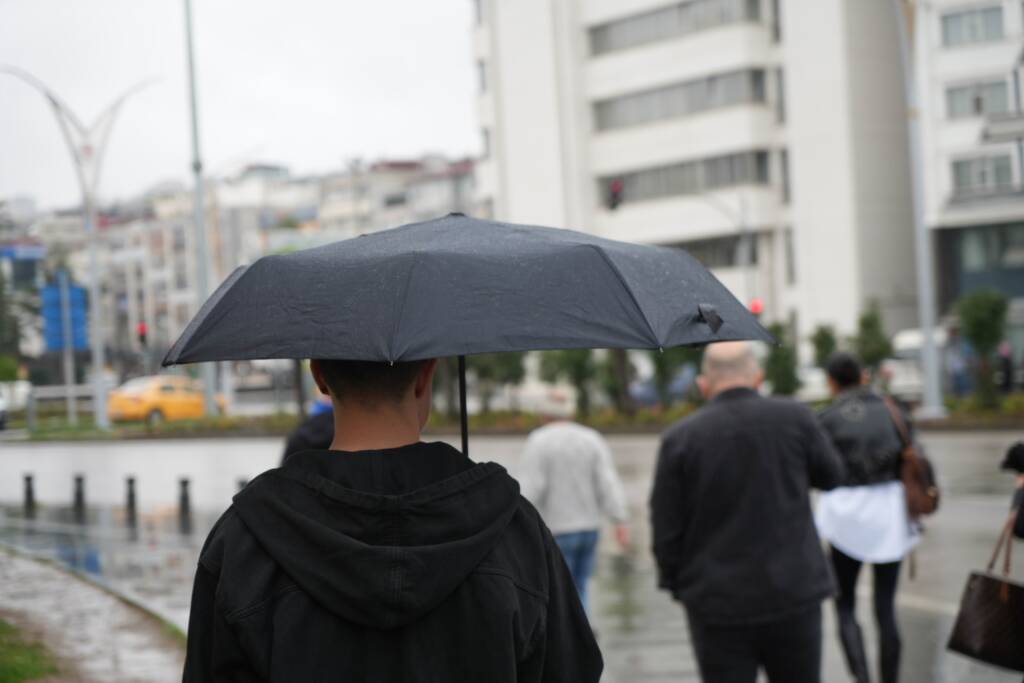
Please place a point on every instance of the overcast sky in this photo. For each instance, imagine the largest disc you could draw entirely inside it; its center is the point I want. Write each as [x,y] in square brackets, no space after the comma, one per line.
[307,83]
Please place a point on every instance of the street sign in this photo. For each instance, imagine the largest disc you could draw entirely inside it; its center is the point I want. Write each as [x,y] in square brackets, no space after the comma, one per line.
[53,328]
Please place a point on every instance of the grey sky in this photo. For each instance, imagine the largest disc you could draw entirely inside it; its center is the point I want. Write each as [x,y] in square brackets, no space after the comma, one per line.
[308,83]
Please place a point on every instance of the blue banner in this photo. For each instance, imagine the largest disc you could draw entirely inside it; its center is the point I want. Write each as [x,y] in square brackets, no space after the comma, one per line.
[53,327]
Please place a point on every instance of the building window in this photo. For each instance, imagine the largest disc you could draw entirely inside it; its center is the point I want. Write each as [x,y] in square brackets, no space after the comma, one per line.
[690,177]
[982,176]
[977,99]
[481,75]
[720,252]
[992,247]
[784,174]
[680,99]
[967,27]
[478,12]
[777,21]
[676,20]
[485,141]
[790,247]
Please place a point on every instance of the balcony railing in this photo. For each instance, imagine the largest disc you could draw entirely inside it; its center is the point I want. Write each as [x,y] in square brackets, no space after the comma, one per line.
[966,195]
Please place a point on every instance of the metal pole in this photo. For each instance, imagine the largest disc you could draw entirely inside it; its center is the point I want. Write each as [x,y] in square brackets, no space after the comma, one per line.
[932,399]
[202,258]
[68,352]
[462,406]
[1017,103]
[747,240]
[86,145]
[96,340]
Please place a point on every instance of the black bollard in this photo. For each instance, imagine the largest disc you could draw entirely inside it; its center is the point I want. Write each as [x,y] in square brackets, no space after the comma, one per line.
[130,513]
[30,498]
[184,508]
[79,506]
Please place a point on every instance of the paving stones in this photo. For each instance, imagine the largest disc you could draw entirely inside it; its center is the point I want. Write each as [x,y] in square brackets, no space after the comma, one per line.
[95,635]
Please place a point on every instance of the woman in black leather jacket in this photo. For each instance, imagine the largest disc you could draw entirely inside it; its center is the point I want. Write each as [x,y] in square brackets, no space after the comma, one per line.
[865,520]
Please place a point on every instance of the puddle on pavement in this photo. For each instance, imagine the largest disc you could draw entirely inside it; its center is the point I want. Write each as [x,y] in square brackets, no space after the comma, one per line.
[151,561]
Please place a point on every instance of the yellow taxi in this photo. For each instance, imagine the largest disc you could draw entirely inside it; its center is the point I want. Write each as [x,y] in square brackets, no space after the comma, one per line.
[158,398]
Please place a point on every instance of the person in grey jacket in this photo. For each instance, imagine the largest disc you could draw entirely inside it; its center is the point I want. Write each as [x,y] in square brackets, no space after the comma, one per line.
[568,474]
[733,532]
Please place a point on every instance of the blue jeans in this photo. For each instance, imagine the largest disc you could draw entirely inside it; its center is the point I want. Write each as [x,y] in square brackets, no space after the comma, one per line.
[578,548]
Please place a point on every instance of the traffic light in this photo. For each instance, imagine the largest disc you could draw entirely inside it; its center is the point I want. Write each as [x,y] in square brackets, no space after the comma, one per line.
[614,193]
[140,331]
[756,306]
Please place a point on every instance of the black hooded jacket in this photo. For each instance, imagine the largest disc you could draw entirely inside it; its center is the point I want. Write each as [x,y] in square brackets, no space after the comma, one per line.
[407,564]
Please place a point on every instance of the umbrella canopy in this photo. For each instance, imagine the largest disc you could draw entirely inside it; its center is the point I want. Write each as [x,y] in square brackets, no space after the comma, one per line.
[456,286]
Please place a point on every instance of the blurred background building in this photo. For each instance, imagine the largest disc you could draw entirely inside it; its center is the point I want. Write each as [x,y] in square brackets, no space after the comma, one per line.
[694,123]
[148,256]
[969,61]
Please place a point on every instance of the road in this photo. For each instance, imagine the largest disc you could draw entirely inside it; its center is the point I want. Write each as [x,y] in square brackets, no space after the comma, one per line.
[641,631]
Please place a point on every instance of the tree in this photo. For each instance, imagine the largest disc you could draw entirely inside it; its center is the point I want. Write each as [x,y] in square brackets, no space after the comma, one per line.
[10,330]
[872,343]
[824,341]
[494,370]
[577,367]
[615,373]
[666,364]
[983,323]
[780,365]
[8,368]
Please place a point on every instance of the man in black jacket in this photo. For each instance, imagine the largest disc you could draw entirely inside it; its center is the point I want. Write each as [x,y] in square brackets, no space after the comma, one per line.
[384,559]
[733,533]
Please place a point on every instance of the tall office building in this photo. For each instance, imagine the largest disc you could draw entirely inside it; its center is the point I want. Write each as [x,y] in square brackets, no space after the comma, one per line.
[767,137]
[969,60]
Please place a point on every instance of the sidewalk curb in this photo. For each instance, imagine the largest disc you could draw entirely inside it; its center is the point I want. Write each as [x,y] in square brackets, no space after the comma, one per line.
[164,621]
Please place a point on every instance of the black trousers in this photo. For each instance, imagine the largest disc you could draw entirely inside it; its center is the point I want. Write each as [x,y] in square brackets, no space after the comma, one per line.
[789,649]
[886,579]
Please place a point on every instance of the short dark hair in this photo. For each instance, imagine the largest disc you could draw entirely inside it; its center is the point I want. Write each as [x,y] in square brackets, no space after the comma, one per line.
[369,381]
[844,369]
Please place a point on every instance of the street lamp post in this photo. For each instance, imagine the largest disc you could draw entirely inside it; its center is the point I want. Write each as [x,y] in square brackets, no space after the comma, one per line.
[740,218]
[202,258]
[907,17]
[87,145]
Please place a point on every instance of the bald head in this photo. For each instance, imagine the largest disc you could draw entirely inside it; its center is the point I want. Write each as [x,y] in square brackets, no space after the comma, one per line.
[728,365]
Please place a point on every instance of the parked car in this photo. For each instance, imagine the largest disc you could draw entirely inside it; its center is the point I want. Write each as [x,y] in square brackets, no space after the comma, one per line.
[158,398]
[904,377]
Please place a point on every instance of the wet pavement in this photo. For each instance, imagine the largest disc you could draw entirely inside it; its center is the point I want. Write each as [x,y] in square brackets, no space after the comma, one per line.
[94,635]
[642,632]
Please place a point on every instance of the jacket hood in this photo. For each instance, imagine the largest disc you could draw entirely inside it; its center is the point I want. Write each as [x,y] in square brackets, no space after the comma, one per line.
[379,537]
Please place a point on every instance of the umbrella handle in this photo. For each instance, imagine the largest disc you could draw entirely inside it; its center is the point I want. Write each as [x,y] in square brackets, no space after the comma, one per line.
[464,418]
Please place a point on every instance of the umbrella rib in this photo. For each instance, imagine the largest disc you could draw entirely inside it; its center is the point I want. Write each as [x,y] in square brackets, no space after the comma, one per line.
[401,303]
[632,297]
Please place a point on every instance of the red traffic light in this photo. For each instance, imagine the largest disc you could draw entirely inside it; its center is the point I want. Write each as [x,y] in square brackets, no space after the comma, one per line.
[756,306]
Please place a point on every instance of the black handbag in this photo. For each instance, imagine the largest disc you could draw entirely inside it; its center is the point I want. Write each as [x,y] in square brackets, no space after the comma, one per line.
[990,624]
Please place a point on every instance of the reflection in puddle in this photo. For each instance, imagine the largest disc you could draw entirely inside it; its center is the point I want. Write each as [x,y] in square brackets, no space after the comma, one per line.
[147,557]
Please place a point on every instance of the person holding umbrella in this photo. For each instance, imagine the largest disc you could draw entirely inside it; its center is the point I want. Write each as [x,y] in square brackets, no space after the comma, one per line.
[385,558]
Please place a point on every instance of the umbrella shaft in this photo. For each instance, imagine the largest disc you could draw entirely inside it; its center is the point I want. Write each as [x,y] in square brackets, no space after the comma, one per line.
[463,416]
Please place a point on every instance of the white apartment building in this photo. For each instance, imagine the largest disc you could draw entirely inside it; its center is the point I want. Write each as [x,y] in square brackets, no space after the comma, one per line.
[968,58]
[782,120]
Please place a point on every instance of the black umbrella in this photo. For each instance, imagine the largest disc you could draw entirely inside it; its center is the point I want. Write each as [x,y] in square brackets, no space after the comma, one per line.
[456,286]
